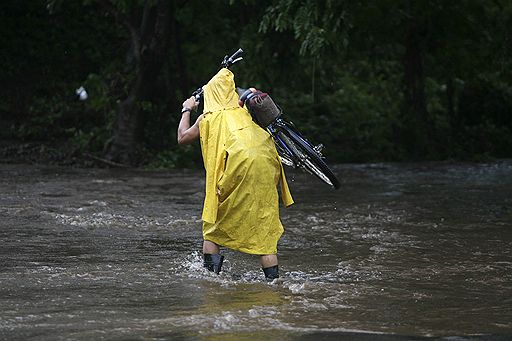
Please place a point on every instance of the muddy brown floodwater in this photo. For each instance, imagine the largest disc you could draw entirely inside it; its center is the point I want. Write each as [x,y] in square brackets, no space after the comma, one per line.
[400,252]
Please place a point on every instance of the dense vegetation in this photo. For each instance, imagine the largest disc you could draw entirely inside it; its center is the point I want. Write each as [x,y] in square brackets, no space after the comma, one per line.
[372,80]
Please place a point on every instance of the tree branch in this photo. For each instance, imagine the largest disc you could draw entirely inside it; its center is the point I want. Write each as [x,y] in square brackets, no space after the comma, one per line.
[123,19]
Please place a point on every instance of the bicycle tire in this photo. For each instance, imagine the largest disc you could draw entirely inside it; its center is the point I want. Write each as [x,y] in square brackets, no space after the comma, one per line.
[306,156]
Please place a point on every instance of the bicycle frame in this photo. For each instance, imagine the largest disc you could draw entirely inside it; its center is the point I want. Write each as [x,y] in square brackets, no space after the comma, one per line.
[283,147]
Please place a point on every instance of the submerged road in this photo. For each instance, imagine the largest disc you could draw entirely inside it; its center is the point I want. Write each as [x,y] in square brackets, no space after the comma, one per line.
[400,252]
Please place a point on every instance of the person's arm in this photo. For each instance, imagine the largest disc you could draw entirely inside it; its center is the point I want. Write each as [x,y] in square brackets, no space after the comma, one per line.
[186,132]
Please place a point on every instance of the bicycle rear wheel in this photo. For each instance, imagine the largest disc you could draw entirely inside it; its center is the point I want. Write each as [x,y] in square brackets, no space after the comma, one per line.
[305,156]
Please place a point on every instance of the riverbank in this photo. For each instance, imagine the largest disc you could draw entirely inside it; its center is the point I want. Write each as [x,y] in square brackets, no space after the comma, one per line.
[41,152]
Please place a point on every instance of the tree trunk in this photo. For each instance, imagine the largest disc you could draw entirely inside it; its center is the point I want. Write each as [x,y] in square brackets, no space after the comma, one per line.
[180,60]
[152,42]
[453,114]
[415,116]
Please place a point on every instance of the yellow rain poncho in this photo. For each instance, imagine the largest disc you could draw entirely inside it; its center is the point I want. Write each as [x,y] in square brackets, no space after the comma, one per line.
[241,206]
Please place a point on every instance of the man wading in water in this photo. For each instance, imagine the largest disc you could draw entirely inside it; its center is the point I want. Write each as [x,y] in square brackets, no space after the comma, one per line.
[243,170]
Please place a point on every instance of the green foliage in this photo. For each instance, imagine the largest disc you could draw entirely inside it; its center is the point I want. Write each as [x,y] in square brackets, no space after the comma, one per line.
[46,115]
[355,121]
[187,156]
[336,68]
[53,47]
[317,24]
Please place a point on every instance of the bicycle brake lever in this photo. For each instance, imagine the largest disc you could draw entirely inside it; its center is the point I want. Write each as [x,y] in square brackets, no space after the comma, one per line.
[236,60]
[198,94]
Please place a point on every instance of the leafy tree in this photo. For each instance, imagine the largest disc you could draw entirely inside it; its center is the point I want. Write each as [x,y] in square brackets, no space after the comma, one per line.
[392,80]
[149,29]
[440,45]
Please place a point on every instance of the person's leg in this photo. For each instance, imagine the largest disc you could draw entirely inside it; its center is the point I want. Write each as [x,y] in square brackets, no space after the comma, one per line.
[212,259]
[269,265]
[268,260]
[210,247]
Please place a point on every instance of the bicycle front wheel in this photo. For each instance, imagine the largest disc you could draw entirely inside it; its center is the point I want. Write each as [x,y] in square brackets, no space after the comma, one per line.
[306,157]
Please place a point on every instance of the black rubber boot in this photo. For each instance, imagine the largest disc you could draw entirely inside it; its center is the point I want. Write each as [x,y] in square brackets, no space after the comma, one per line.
[271,272]
[213,262]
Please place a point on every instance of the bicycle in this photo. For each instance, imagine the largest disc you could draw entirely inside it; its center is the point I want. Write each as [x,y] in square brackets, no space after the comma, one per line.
[293,148]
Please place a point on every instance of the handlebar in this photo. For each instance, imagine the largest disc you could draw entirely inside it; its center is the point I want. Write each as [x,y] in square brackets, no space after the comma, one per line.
[198,94]
[235,57]
[226,63]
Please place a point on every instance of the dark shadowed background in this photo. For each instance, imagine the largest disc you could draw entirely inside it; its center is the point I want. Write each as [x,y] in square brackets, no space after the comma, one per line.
[372,80]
